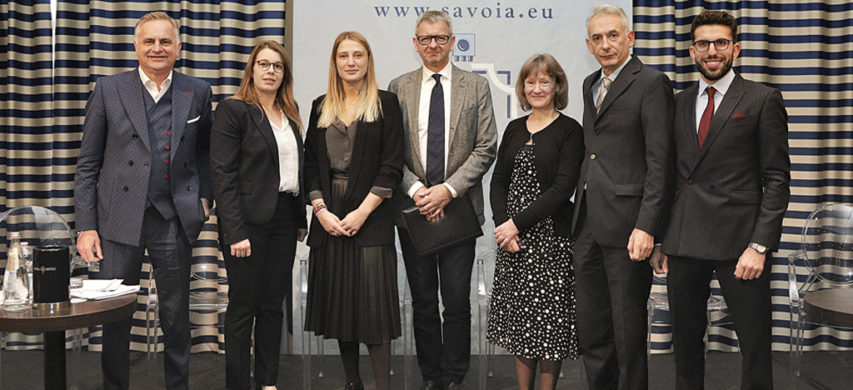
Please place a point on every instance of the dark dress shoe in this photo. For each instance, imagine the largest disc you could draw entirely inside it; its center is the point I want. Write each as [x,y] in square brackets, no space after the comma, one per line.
[354,386]
[430,385]
[453,386]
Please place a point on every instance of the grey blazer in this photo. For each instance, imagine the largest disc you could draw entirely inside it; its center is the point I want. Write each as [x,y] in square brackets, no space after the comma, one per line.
[627,166]
[473,135]
[111,183]
[735,188]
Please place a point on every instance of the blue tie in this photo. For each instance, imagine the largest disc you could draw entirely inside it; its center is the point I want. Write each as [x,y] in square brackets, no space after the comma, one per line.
[435,134]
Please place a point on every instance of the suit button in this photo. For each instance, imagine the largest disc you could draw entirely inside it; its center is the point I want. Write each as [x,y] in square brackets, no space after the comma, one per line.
[130,163]
[135,136]
[690,181]
[592,156]
[126,189]
[183,138]
[185,164]
[189,188]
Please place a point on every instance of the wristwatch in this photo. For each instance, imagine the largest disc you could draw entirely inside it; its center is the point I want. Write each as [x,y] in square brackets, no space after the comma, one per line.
[761,249]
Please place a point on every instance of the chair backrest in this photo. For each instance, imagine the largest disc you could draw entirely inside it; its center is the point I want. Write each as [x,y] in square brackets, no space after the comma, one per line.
[827,241]
[38,226]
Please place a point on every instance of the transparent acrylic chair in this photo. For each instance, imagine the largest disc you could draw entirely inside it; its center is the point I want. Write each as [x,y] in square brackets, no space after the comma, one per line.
[825,261]
[208,288]
[40,226]
[660,320]
[484,302]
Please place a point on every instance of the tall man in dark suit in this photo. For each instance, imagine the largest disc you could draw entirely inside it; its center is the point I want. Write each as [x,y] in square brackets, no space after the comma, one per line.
[450,142]
[621,195]
[732,190]
[143,182]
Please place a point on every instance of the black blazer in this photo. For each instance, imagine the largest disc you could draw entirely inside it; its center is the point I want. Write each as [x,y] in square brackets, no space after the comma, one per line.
[558,152]
[377,160]
[628,159]
[244,169]
[735,188]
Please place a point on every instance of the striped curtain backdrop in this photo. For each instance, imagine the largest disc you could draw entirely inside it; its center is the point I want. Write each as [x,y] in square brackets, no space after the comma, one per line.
[805,49]
[26,139]
[42,117]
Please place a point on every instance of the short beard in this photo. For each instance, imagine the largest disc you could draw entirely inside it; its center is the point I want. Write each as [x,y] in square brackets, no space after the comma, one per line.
[727,65]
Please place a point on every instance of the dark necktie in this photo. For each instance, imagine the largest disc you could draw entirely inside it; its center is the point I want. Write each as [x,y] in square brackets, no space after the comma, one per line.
[435,134]
[705,122]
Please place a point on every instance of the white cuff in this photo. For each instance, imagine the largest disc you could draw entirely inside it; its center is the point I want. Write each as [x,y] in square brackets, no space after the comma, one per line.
[452,190]
[414,189]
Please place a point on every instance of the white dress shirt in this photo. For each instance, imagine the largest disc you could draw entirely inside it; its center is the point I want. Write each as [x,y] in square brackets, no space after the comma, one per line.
[721,86]
[427,84]
[151,86]
[288,155]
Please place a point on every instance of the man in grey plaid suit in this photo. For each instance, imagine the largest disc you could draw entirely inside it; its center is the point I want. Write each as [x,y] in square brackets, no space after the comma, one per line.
[450,142]
[143,183]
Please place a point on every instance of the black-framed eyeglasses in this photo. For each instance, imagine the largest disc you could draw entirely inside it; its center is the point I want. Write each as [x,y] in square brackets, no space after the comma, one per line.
[719,44]
[278,67]
[439,39]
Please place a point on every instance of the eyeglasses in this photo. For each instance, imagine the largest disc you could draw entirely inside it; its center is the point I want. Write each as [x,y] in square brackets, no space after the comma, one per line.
[719,44]
[439,39]
[278,67]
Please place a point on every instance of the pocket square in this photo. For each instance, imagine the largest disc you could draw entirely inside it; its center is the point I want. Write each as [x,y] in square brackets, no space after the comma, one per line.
[194,119]
[736,115]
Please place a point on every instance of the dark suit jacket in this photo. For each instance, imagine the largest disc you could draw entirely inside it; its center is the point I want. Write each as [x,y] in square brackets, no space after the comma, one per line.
[244,165]
[377,160]
[628,154]
[558,152]
[111,184]
[735,188]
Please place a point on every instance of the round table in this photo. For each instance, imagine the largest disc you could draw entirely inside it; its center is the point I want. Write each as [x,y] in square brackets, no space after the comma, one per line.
[54,323]
[833,306]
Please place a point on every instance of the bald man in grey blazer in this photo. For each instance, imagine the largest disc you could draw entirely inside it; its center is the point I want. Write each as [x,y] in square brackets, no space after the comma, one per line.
[143,183]
[450,142]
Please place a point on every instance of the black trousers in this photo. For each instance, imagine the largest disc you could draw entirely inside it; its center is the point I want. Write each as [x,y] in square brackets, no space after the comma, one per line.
[257,286]
[688,287]
[444,350]
[612,292]
[169,253]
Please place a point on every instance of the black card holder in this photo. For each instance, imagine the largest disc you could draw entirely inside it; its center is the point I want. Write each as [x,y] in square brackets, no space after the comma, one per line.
[458,224]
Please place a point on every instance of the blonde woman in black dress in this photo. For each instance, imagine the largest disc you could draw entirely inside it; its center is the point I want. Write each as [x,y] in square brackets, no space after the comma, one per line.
[353,160]
[532,313]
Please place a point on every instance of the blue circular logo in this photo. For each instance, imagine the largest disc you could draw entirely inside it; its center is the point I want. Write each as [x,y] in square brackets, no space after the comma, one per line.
[463,45]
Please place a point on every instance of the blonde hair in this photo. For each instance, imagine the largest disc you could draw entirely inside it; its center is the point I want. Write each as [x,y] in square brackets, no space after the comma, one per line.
[548,64]
[284,100]
[156,15]
[368,106]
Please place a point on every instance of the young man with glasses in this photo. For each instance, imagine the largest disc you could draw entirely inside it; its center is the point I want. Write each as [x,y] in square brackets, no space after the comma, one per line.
[732,186]
[621,199]
[451,138]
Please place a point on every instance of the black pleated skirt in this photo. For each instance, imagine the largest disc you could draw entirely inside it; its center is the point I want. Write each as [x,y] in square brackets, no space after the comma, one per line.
[352,290]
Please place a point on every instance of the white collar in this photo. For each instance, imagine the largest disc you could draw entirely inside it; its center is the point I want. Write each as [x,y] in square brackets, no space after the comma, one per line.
[722,85]
[444,72]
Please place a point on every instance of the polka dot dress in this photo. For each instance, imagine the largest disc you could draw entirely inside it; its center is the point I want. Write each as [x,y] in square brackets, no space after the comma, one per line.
[533,296]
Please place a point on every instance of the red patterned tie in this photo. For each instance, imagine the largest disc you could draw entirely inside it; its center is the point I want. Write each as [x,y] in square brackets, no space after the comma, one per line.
[706,116]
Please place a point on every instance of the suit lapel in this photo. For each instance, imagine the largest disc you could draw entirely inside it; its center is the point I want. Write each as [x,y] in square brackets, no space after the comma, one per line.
[686,125]
[413,96]
[458,86]
[588,104]
[721,116]
[182,99]
[625,78]
[134,105]
[262,123]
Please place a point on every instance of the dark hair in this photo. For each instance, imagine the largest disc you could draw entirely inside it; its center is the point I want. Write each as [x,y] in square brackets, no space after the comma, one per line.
[714,17]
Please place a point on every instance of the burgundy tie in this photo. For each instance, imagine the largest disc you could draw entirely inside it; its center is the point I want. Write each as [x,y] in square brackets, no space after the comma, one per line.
[705,122]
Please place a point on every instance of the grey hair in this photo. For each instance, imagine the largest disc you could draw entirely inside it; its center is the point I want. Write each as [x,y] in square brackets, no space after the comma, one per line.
[607,9]
[434,16]
[156,15]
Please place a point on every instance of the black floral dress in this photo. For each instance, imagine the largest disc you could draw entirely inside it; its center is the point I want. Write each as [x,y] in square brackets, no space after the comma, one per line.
[533,298]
